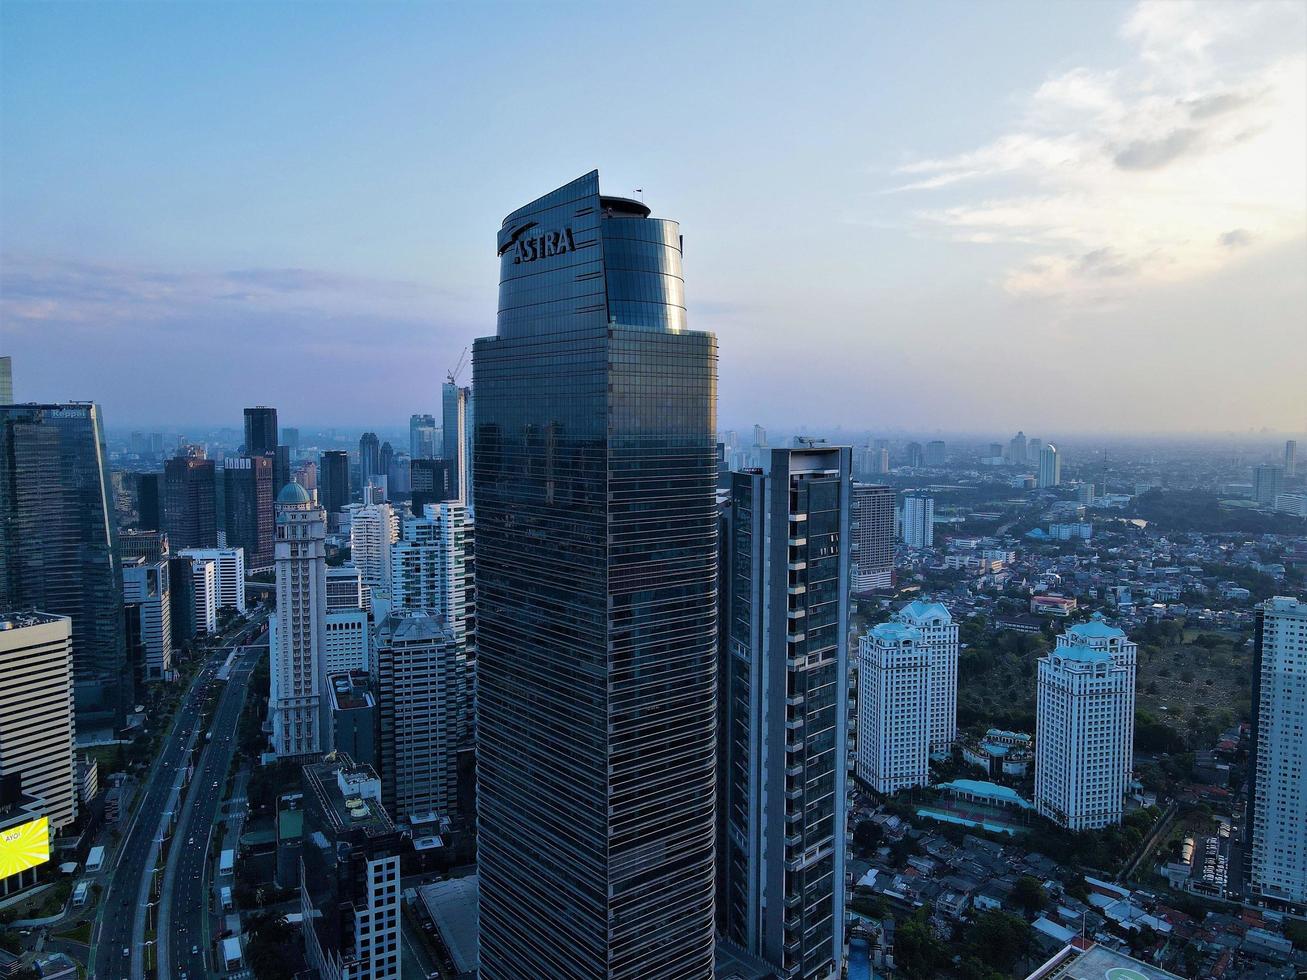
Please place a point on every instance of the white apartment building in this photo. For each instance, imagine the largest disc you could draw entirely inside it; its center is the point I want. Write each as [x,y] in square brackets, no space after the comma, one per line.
[1050,466]
[1278,817]
[919,521]
[373,530]
[230,568]
[36,709]
[894,692]
[429,570]
[940,635]
[297,630]
[204,582]
[148,596]
[1085,726]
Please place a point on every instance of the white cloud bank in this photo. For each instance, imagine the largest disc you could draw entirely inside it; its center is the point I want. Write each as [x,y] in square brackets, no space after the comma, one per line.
[1162,169]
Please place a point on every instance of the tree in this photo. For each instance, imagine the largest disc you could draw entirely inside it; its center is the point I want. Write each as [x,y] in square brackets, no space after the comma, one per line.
[1030,895]
[997,939]
[916,950]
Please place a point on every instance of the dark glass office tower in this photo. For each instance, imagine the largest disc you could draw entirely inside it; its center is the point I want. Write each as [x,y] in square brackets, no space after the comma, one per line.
[333,474]
[190,511]
[251,521]
[594,473]
[369,458]
[59,549]
[260,431]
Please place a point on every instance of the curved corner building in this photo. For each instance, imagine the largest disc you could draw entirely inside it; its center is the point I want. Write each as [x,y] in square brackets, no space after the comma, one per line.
[594,471]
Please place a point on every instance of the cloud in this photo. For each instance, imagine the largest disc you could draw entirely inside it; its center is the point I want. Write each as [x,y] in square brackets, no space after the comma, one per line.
[1119,177]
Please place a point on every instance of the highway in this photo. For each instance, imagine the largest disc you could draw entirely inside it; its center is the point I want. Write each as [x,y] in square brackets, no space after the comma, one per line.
[186,899]
[121,923]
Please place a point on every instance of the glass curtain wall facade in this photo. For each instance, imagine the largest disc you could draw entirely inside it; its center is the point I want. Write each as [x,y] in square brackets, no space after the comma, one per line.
[59,548]
[594,473]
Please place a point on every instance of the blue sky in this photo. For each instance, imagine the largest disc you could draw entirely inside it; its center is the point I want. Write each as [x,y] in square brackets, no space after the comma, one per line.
[941,216]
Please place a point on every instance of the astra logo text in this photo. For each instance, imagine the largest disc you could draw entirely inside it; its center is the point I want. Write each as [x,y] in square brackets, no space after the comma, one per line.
[542,246]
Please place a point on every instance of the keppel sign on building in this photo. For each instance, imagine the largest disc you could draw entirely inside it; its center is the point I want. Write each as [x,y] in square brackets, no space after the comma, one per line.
[25,846]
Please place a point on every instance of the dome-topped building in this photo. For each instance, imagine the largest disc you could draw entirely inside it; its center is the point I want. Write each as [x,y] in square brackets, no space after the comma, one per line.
[293,493]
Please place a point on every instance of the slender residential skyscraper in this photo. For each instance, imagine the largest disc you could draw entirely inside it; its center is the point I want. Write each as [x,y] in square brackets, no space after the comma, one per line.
[784,712]
[1278,808]
[1290,457]
[873,536]
[1268,481]
[1050,466]
[422,435]
[454,435]
[6,380]
[297,701]
[893,708]
[595,473]
[939,634]
[919,521]
[58,546]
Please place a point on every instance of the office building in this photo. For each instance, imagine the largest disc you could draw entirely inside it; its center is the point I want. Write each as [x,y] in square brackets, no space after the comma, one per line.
[373,530]
[333,471]
[353,716]
[939,635]
[914,454]
[6,380]
[229,573]
[207,593]
[1034,446]
[1016,450]
[1085,726]
[1290,457]
[260,431]
[429,482]
[344,588]
[423,436]
[280,466]
[1050,466]
[369,459]
[349,874]
[398,476]
[150,545]
[290,437]
[873,537]
[424,704]
[296,630]
[1278,796]
[58,546]
[183,608]
[1268,483]
[147,592]
[345,640]
[25,831]
[935,453]
[596,598]
[918,521]
[36,710]
[149,500]
[784,712]
[248,503]
[190,512]
[894,701]
[454,435]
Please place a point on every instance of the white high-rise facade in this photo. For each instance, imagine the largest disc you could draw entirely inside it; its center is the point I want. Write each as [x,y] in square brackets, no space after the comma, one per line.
[873,537]
[893,708]
[36,709]
[428,566]
[204,582]
[1085,726]
[373,530]
[940,635]
[1050,466]
[297,632]
[1279,795]
[919,521]
[148,596]
[230,569]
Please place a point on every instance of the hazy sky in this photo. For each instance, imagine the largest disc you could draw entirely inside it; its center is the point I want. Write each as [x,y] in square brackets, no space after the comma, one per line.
[1058,217]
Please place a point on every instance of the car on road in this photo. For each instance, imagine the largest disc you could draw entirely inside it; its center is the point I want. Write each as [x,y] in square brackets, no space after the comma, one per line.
[127,951]
[195,951]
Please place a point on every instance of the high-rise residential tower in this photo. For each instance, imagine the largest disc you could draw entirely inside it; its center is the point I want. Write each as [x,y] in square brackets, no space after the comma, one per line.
[260,431]
[1016,450]
[1290,457]
[454,435]
[936,453]
[918,521]
[1085,726]
[939,634]
[894,699]
[147,590]
[1278,804]
[1050,466]
[873,536]
[373,530]
[36,709]
[594,474]
[6,380]
[297,701]
[1268,481]
[423,436]
[58,546]
[784,712]
[914,454]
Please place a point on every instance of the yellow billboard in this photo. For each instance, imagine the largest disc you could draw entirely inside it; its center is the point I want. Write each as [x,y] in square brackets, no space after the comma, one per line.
[24,846]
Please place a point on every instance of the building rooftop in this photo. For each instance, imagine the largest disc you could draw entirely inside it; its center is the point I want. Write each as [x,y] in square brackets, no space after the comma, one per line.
[293,493]
[1096,629]
[22,620]
[454,907]
[349,690]
[349,794]
[1076,962]
[893,632]
[922,610]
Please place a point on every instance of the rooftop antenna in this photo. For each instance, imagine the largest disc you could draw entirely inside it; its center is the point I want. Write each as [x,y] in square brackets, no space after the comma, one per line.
[640,191]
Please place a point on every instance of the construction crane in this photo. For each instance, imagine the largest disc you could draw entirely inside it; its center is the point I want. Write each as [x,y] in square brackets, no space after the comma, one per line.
[453,373]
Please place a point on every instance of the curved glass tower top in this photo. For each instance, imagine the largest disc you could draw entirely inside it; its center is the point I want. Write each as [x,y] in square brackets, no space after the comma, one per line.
[575,259]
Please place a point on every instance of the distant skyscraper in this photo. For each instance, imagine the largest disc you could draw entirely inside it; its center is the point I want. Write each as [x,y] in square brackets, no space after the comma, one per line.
[422,436]
[1290,457]
[936,452]
[914,454]
[873,537]
[58,545]
[894,715]
[784,712]
[190,503]
[1268,482]
[36,709]
[1016,450]
[297,703]
[150,545]
[260,431]
[429,479]
[369,458]
[881,460]
[149,501]
[1278,807]
[596,596]
[248,501]
[1085,726]
[759,437]
[333,472]
[385,459]
[425,711]
[428,564]
[454,435]
[1034,446]
[919,521]
[6,380]
[373,530]
[290,438]
[939,634]
[147,589]
[1050,466]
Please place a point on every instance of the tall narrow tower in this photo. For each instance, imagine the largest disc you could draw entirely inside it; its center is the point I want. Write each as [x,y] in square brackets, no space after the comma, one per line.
[297,704]
[594,473]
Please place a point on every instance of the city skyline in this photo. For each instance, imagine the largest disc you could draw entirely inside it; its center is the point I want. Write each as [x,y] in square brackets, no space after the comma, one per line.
[1111,198]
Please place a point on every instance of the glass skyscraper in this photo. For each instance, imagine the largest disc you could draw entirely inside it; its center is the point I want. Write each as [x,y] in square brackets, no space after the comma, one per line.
[58,546]
[594,474]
